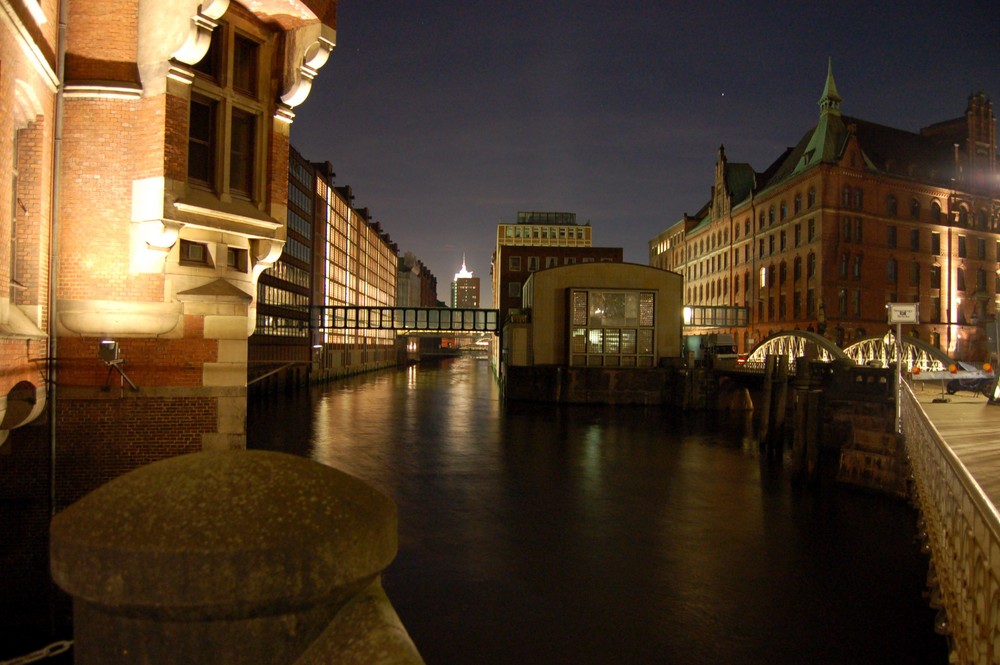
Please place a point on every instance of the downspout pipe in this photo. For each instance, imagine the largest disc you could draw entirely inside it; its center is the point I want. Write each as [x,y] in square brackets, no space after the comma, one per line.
[53,364]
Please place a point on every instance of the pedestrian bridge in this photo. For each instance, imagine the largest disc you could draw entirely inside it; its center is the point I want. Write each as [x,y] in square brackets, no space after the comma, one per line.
[406,319]
[924,360]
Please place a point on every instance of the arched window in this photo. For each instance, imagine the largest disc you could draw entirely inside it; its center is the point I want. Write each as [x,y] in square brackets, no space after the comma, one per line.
[914,209]
[981,220]
[811,198]
[935,211]
[811,265]
[859,199]
[797,204]
[890,205]
[760,222]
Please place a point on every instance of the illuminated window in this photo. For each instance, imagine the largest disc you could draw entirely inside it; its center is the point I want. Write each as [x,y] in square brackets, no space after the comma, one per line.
[612,328]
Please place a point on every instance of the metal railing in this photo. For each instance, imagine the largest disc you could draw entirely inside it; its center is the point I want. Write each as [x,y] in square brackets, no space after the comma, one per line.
[963,531]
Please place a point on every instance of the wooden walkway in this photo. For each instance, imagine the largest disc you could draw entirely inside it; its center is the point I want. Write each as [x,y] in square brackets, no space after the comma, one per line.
[971,428]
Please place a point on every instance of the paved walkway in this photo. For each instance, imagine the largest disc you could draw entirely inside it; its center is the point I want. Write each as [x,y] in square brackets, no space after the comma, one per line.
[971,427]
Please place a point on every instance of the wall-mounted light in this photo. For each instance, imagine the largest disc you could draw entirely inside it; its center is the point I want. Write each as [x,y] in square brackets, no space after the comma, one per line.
[108,352]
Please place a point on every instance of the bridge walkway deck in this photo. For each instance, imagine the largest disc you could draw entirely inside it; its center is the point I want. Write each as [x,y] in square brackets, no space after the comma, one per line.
[971,428]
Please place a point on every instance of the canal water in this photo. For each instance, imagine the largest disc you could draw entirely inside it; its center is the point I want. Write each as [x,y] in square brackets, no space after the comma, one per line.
[536,533]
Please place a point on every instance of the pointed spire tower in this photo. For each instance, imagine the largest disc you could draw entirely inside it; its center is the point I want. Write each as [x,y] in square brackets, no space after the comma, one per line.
[828,138]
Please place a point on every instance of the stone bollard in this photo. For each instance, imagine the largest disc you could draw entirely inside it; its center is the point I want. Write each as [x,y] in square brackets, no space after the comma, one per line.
[231,557]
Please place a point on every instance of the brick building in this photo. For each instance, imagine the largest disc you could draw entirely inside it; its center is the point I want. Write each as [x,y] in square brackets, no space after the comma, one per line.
[852,217]
[146,154]
[536,241]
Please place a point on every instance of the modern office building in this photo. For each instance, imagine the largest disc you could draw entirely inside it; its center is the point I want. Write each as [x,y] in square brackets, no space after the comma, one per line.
[539,240]
[335,255]
[465,289]
[854,216]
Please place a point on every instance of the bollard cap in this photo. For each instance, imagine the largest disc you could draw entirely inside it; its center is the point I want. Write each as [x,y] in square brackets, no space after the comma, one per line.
[224,534]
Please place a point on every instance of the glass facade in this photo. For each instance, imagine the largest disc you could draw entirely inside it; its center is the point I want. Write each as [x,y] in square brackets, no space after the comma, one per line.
[612,328]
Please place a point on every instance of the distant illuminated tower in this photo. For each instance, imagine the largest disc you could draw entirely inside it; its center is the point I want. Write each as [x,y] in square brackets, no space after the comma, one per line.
[465,289]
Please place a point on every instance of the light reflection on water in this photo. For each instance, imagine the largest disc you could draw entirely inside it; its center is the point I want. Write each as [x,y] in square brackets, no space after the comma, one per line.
[535,533]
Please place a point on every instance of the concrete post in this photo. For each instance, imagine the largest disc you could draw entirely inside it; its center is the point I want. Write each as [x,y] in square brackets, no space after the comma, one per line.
[230,557]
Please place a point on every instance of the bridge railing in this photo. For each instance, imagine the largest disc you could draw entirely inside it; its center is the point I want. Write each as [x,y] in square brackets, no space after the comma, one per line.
[963,529]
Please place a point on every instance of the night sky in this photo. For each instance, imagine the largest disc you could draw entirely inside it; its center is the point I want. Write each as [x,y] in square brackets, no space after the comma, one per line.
[447,117]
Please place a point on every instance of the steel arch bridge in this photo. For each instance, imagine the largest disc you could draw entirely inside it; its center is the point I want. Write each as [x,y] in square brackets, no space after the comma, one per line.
[793,343]
[882,349]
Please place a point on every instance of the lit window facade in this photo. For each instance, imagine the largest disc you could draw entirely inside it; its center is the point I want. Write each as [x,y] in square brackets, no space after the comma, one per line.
[612,328]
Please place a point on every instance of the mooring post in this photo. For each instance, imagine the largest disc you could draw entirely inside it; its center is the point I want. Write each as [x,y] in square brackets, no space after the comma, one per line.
[764,424]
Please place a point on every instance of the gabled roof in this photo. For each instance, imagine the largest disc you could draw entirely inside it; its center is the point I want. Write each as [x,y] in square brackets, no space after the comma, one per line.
[740,181]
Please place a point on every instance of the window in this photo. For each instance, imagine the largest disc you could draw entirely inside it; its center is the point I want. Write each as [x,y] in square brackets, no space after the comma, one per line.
[936,309]
[225,133]
[935,277]
[782,272]
[856,267]
[194,253]
[798,235]
[811,198]
[612,328]
[245,65]
[797,205]
[797,269]
[770,215]
[891,270]
[514,289]
[961,247]
[858,237]
[859,199]
[914,273]
[935,211]
[914,209]
[844,260]
[845,197]
[890,236]
[201,141]
[811,231]
[981,248]
[551,261]
[514,263]
[783,241]
[242,152]
[846,225]
[891,206]
[856,302]
[915,240]
[960,275]
[784,211]
[980,280]
[811,265]
[936,243]
[236,259]
[532,263]
[842,301]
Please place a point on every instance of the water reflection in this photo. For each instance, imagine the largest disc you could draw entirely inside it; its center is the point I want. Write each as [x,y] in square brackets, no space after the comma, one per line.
[536,533]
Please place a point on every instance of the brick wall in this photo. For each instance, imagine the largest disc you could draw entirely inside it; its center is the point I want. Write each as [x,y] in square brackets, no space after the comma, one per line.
[122,434]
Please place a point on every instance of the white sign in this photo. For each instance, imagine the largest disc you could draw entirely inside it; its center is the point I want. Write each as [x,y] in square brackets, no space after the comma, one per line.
[904,312]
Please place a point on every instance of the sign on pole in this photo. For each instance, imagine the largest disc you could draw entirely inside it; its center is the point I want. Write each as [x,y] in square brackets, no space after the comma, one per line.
[901,312]
[904,312]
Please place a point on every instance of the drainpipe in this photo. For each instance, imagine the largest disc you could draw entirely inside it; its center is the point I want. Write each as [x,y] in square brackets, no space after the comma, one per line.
[54,247]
